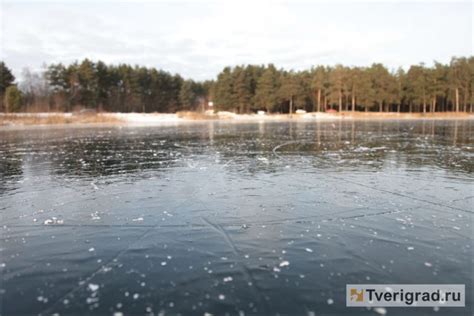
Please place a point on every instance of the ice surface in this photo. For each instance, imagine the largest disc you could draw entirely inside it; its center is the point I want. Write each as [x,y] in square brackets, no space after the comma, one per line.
[214,217]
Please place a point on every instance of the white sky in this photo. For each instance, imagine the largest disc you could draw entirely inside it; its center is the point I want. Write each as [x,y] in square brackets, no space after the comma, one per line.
[197,39]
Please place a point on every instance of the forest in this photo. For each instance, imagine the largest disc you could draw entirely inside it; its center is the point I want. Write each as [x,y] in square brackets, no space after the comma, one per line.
[97,86]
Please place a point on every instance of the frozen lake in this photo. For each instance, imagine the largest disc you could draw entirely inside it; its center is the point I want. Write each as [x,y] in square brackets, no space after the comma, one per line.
[247,218]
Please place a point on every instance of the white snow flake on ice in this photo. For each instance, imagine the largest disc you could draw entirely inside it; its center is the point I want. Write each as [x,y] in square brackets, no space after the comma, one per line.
[93,287]
[284,264]
[53,221]
[95,216]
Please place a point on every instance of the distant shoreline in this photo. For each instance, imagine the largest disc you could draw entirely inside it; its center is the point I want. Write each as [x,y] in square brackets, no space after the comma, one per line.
[138,119]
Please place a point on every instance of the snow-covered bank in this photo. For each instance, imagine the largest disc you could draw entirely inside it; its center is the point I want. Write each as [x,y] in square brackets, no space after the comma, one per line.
[146,118]
[151,119]
[159,118]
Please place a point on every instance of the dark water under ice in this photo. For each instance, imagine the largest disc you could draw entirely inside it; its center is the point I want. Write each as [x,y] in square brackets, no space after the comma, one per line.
[244,219]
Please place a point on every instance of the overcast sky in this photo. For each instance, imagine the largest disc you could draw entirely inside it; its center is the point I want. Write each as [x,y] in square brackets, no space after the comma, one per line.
[197,39]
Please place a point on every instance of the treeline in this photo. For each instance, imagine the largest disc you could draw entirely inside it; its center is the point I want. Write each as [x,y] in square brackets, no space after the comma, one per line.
[242,89]
[100,87]
[420,89]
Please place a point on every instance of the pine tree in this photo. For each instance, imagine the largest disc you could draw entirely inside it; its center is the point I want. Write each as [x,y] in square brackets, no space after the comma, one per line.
[380,78]
[242,88]
[266,93]
[6,77]
[187,95]
[88,84]
[317,84]
[224,91]
[337,82]
[12,99]
[6,80]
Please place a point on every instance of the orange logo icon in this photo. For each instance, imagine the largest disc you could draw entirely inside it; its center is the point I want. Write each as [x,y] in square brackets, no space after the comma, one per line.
[357,295]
